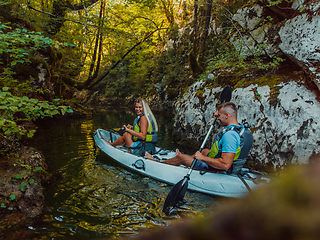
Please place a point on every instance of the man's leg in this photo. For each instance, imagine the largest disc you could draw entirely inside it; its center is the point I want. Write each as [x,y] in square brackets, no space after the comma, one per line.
[179,159]
[174,159]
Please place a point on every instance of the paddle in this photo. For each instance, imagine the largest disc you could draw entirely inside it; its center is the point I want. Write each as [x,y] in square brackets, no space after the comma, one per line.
[178,191]
[119,131]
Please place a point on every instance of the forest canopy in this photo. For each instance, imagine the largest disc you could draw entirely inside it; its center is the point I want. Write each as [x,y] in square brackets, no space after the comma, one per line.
[52,49]
[124,46]
[49,48]
[105,32]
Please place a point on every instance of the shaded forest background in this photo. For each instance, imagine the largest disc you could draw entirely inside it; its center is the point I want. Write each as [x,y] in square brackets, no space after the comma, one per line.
[55,54]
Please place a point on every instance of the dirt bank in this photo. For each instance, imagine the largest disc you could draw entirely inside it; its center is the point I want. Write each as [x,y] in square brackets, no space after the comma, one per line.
[21,192]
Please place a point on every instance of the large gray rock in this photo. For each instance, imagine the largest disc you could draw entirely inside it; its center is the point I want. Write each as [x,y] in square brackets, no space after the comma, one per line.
[300,40]
[255,35]
[286,127]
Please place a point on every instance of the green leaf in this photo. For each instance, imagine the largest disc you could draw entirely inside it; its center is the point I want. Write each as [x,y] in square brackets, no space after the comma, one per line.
[7,132]
[31,181]
[19,176]
[31,133]
[23,186]
[70,44]
[12,197]
[54,112]
[5,89]
[3,205]
[37,169]
[13,108]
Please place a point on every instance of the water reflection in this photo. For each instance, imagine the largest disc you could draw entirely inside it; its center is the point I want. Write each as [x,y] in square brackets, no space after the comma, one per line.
[96,197]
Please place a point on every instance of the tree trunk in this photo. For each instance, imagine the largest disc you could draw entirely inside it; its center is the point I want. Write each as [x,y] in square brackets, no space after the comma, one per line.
[99,58]
[169,11]
[205,32]
[98,44]
[193,54]
[195,32]
[59,9]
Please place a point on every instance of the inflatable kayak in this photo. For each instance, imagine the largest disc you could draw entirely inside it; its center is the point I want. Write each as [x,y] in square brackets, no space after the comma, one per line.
[219,184]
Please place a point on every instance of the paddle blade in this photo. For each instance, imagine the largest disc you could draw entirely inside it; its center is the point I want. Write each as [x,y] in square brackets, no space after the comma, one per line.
[225,95]
[175,196]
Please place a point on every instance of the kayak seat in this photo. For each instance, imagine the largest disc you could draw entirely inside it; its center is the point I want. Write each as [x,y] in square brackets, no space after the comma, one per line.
[157,158]
[202,172]
[123,149]
[162,153]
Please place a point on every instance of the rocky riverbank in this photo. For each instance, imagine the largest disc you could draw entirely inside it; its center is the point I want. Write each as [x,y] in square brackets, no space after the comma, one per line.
[22,178]
[21,192]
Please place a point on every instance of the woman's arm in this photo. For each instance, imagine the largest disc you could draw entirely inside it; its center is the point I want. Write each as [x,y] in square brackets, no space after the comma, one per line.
[143,123]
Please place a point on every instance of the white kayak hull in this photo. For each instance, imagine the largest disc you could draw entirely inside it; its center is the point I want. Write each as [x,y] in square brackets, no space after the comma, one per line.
[210,183]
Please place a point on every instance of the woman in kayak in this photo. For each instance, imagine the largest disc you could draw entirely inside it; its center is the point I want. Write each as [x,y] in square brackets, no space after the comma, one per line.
[143,132]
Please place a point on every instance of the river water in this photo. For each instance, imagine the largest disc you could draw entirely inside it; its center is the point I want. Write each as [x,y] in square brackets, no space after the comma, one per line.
[93,197]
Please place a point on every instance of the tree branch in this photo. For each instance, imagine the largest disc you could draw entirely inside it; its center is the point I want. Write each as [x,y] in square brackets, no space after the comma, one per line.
[92,82]
[55,16]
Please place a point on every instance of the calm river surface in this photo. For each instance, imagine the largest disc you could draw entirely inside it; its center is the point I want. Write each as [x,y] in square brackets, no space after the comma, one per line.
[93,196]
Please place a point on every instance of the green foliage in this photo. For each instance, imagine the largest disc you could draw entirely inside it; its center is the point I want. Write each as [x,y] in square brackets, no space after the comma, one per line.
[25,179]
[19,176]
[37,169]
[19,44]
[148,3]
[229,59]
[23,186]
[31,181]
[15,109]
[276,2]
[18,48]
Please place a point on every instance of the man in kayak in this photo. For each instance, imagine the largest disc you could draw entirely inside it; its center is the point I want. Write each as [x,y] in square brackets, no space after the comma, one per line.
[229,150]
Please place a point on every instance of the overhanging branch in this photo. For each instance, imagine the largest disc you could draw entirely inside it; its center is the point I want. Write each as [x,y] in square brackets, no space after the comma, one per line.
[93,82]
[55,16]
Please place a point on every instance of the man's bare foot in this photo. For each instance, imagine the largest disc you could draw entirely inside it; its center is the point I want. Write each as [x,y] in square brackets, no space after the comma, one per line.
[178,152]
[148,156]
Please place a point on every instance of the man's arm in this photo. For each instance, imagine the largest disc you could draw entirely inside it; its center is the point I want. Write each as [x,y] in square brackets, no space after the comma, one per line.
[223,163]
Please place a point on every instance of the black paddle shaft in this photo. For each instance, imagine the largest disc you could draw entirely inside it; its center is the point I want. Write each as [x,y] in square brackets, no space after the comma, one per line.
[178,191]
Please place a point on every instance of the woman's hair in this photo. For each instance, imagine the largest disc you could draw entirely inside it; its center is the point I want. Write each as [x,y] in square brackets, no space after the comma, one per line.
[147,112]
